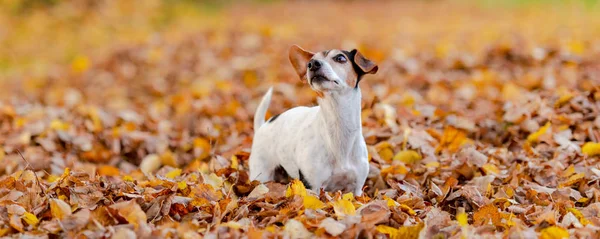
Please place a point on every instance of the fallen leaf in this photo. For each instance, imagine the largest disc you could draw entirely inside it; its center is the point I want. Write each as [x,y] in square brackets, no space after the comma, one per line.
[132,212]
[59,208]
[534,137]
[343,208]
[150,163]
[554,232]
[402,232]
[332,226]
[408,156]
[591,149]
[296,230]
[30,219]
[296,187]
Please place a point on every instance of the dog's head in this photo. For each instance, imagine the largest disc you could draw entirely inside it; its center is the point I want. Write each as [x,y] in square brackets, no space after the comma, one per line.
[332,70]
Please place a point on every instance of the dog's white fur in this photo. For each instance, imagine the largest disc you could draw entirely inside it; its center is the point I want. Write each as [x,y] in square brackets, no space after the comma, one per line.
[323,143]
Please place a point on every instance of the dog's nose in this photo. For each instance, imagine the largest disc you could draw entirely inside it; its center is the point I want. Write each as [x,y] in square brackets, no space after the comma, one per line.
[314,65]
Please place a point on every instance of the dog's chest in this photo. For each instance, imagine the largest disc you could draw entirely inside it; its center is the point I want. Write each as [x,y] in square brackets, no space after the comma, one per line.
[342,180]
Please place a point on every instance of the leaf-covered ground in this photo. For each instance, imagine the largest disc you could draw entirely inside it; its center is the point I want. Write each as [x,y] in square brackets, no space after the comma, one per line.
[480,123]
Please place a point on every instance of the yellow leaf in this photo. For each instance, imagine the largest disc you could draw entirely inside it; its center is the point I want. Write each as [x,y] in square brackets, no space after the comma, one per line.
[30,219]
[534,137]
[203,146]
[462,219]
[394,169]
[343,207]
[384,149]
[66,173]
[182,185]
[576,47]
[405,232]
[234,162]
[432,165]
[408,156]
[568,172]
[554,232]
[59,125]
[386,229]
[271,228]
[128,178]
[59,208]
[575,178]
[312,202]
[167,158]
[591,149]
[452,139]
[173,173]
[565,98]
[584,221]
[4,231]
[52,178]
[407,209]
[442,49]
[390,202]
[489,168]
[80,64]
[348,196]
[295,188]
[386,154]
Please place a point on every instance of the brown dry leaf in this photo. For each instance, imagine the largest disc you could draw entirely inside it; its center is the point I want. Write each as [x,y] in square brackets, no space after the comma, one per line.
[486,214]
[452,139]
[203,194]
[332,226]
[131,211]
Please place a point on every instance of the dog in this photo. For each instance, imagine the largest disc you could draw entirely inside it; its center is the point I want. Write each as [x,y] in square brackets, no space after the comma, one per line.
[322,146]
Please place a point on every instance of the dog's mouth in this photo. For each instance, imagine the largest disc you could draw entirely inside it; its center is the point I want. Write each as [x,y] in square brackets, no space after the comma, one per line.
[320,78]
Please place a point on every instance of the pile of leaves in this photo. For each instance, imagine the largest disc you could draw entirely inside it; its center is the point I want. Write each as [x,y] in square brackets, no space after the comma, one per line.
[471,131]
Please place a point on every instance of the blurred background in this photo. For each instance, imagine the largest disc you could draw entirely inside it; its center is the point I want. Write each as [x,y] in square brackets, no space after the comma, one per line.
[167,76]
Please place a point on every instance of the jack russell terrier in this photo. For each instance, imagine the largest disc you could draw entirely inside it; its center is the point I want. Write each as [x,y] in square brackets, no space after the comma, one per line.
[322,146]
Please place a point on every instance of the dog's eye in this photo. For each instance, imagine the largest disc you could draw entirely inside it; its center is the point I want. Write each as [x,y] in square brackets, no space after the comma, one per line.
[340,58]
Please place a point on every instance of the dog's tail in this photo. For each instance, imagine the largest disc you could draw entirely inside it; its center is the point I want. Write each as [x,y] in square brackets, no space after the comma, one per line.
[261,111]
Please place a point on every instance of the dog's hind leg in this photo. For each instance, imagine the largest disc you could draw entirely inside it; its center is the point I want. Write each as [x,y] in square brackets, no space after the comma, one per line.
[261,169]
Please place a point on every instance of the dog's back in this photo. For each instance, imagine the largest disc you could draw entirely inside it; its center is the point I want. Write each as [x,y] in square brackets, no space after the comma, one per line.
[274,140]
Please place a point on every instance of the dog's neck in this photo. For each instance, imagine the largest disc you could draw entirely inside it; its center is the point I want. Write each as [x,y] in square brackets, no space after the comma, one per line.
[340,121]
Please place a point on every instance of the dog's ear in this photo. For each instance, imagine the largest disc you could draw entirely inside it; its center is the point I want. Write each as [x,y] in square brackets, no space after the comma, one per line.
[365,65]
[299,59]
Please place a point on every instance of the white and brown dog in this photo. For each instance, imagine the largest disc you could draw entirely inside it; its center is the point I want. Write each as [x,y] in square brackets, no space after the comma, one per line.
[323,146]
